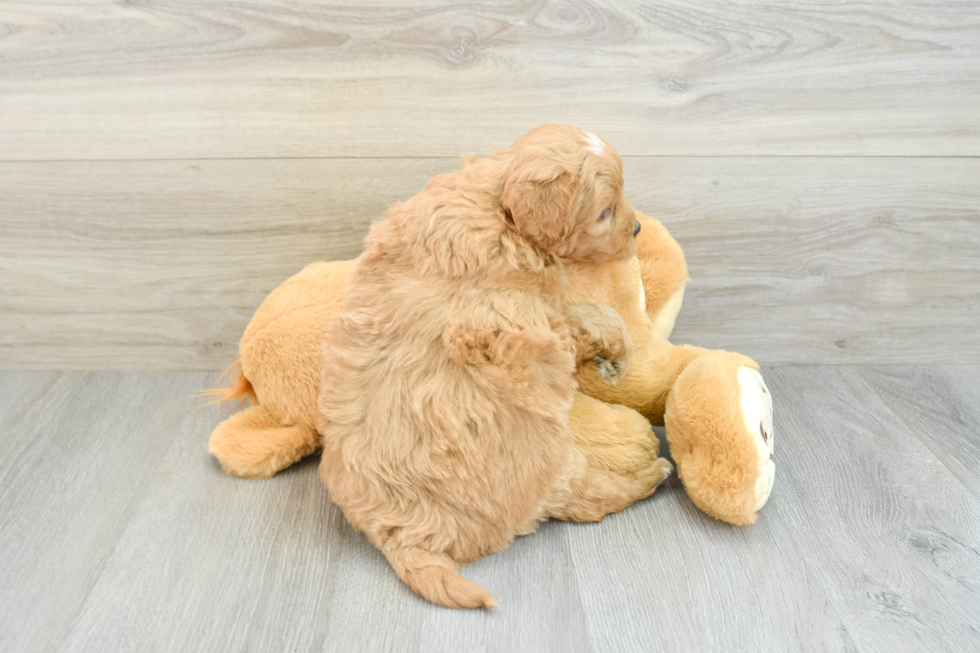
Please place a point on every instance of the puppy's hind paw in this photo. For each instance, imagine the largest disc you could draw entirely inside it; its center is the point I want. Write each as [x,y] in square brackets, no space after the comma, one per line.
[652,477]
[610,369]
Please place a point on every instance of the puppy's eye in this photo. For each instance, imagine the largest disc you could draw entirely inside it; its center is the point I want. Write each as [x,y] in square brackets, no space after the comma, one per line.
[605,214]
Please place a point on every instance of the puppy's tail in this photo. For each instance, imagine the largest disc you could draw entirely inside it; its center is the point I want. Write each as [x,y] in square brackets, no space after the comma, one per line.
[434,576]
[240,390]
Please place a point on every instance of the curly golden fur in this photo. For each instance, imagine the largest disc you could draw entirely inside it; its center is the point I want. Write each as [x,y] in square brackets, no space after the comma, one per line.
[448,377]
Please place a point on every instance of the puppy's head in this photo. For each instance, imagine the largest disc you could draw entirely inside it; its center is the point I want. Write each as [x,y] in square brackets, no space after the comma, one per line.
[563,191]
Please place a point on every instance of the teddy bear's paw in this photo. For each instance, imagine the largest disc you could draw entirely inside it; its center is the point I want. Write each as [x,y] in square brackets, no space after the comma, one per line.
[611,369]
[756,405]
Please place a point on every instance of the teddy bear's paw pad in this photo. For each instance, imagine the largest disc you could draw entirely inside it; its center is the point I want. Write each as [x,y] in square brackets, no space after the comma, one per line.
[756,405]
[610,369]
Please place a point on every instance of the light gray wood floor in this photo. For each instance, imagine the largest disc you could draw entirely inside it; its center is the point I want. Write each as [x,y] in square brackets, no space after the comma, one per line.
[119,532]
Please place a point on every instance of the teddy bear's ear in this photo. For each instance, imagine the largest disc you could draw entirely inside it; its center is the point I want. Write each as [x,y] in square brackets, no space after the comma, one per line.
[539,202]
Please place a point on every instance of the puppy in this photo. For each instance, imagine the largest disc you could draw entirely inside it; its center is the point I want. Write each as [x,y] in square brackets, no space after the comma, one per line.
[448,377]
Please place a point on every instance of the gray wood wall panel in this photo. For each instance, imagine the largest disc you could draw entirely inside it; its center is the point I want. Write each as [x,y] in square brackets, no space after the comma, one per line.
[161,191]
[146,265]
[160,264]
[816,260]
[119,532]
[179,79]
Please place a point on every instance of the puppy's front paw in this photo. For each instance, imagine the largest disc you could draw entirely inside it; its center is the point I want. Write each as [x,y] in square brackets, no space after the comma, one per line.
[610,369]
[602,337]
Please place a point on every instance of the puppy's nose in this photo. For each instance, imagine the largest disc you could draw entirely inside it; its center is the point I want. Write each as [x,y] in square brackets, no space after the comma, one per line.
[636,228]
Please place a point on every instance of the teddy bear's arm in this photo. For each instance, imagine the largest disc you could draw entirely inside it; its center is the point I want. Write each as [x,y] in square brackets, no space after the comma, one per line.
[655,366]
[663,275]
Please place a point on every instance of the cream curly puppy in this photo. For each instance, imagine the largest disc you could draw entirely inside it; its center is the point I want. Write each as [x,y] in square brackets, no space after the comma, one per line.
[448,377]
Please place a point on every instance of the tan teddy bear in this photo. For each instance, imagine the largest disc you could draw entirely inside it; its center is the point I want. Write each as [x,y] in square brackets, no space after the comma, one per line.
[715,405]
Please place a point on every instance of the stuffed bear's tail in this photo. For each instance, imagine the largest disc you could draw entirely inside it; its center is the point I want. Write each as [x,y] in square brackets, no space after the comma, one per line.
[434,576]
[240,390]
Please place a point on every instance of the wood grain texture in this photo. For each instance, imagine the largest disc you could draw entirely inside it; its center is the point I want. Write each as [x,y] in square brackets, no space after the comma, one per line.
[941,406]
[869,541]
[75,453]
[818,260]
[283,78]
[160,264]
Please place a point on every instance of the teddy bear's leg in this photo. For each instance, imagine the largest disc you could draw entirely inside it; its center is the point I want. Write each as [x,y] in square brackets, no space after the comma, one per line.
[255,444]
[612,437]
[590,493]
[719,426]
[614,463]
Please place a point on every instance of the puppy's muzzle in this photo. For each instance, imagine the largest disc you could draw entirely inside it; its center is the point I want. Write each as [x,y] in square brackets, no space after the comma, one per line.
[636,228]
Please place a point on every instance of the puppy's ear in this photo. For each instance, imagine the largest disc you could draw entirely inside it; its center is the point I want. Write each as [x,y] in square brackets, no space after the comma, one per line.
[540,202]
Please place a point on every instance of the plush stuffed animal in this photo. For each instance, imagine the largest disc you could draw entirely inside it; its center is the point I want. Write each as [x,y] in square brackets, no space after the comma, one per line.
[716,408]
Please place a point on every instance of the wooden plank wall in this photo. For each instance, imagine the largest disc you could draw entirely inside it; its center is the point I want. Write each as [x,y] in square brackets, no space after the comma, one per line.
[163,165]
